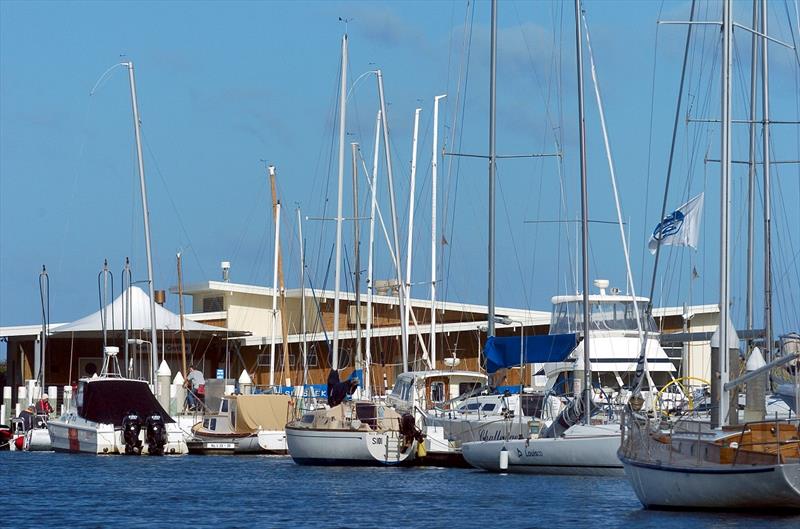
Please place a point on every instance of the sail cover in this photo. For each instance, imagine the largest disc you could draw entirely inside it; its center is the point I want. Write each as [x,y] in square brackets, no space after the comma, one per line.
[109,400]
[504,351]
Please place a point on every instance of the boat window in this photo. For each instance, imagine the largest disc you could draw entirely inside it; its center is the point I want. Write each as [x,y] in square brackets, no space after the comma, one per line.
[532,405]
[223,406]
[308,418]
[402,389]
[567,317]
[437,392]
[489,407]
[212,424]
[466,387]
[472,406]
[206,423]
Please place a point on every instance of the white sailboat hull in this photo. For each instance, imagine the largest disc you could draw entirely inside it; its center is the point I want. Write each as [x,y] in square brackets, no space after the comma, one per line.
[583,450]
[346,447]
[723,487]
[272,441]
[75,434]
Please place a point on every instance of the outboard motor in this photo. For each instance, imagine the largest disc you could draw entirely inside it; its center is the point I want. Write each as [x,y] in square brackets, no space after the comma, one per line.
[131,427]
[156,435]
[409,431]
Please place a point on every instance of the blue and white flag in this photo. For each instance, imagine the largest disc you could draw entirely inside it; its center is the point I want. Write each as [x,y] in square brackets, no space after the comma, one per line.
[681,227]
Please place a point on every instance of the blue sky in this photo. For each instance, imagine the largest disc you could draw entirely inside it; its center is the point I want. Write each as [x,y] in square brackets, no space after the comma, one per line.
[224,85]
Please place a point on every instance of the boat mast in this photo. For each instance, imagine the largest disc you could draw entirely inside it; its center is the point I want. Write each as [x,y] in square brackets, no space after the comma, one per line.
[725,171]
[357,258]
[277,216]
[303,296]
[281,288]
[767,201]
[587,370]
[751,180]
[395,236]
[434,175]
[146,216]
[492,138]
[180,307]
[410,240]
[342,112]
[373,204]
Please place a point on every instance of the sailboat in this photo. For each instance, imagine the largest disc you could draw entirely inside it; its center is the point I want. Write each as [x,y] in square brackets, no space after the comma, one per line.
[719,465]
[111,414]
[580,440]
[350,432]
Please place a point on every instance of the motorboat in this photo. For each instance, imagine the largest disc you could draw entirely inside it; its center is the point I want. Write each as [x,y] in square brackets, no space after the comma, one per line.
[115,415]
[243,424]
[454,407]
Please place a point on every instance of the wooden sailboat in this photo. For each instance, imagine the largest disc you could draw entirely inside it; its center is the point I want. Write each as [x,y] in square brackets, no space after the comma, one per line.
[697,465]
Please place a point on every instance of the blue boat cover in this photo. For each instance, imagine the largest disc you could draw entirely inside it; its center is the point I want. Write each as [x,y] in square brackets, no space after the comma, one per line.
[503,351]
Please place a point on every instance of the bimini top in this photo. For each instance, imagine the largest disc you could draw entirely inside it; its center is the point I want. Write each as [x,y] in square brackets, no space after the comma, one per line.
[109,400]
[507,351]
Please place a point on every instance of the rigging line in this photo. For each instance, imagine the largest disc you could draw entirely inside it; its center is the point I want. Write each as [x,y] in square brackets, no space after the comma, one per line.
[612,173]
[514,243]
[73,188]
[650,146]
[457,131]
[174,205]
[316,254]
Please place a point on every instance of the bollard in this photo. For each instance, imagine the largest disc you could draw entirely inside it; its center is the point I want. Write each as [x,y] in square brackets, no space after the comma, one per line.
[164,375]
[3,414]
[716,382]
[52,396]
[7,404]
[67,399]
[245,383]
[34,392]
[180,392]
[229,389]
[22,398]
[755,405]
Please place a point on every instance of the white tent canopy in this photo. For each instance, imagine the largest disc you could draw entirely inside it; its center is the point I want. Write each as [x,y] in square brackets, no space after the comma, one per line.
[139,319]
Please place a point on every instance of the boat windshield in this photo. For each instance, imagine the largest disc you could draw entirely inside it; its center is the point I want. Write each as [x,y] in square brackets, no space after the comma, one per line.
[567,316]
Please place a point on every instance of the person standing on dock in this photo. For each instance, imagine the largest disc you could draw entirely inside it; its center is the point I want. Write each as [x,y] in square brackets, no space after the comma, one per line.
[196,384]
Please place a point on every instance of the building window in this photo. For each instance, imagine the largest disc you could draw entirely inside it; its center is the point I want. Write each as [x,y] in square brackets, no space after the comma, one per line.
[263,360]
[313,360]
[214,304]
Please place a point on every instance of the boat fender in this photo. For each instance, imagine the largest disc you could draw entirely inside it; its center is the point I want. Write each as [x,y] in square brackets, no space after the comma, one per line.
[504,459]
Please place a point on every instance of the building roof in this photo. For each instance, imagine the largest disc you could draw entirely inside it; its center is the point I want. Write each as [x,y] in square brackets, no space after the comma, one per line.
[139,306]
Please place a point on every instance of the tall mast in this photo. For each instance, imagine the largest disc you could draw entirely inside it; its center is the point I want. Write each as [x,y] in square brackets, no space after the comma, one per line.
[342,112]
[751,180]
[373,203]
[277,217]
[725,173]
[395,236]
[281,288]
[434,175]
[146,216]
[587,372]
[410,241]
[492,125]
[357,258]
[767,198]
[303,296]
[180,307]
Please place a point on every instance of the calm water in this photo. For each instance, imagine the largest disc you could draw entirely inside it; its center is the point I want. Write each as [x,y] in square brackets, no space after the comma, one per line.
[48,489]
